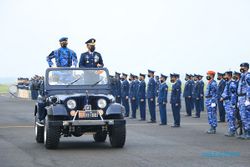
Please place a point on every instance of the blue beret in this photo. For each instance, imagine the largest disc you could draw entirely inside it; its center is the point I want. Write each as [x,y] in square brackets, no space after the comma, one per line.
[63,39]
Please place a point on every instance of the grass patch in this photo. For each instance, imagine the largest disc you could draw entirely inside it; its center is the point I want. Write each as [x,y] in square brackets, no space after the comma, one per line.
[4,88]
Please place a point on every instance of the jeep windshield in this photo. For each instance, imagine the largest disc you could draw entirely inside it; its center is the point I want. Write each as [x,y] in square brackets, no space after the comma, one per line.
[78,77]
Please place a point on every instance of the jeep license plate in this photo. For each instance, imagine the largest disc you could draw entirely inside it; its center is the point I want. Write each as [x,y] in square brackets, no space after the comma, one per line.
[88,114]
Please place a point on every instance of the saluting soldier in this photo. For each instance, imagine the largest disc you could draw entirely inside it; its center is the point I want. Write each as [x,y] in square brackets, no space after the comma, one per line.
[162,99]
[91,58]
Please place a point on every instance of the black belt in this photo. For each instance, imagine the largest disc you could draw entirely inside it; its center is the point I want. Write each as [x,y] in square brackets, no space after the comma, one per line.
[208,96]
[244,94]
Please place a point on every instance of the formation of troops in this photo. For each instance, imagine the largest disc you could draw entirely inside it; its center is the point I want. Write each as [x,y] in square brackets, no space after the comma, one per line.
[231,95]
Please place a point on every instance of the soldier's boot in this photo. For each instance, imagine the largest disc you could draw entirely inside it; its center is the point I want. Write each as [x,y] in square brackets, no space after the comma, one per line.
[212,130]
[248,135]
[230,134]
[243,136]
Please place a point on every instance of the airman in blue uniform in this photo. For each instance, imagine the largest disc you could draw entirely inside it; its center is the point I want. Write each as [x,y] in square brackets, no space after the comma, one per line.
[201,92]
[175,99]
[118,87]
[91,59]
[151,94]
[141,95]
[64,57]
[187,94]
[125,93]
[133,95]
[112,84]
[196,96]
[221,87]
[229,97]
[157,81]
[136,80]
[162,99]
[211,100]
[244,99]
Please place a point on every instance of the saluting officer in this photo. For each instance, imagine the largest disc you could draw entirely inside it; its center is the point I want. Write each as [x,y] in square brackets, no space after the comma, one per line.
[64,57]
[175,99]
[125,93]
[151,94]
[187,94]
[211,100]
[162,99]
[118,87]
[221,87]
[141,95]
[91,59]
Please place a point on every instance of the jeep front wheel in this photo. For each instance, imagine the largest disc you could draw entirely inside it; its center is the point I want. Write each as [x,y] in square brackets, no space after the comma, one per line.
[117,136]
[39,132]
[51,135]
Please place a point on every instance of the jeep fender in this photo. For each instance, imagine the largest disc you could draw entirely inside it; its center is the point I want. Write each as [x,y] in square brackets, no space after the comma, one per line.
[115,109]
[57,110]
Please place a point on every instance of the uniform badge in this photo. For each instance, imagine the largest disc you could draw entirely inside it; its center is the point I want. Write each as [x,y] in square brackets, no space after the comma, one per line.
[96,59]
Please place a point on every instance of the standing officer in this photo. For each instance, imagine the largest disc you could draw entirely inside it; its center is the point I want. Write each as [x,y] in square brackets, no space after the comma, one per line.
[187,94]
[91,58]
[64,57]
[141,95]
[125,93]
[201,91]
[162,99]
[175,99]
[118,87]
[196,96]
[244,99]
[136,80]
[221,87]
[151,93]
[230,99]
[157,81]
[211,99]
[112,85]
[133,95]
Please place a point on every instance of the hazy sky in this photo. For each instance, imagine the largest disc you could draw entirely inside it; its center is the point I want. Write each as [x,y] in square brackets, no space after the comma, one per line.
[132,35]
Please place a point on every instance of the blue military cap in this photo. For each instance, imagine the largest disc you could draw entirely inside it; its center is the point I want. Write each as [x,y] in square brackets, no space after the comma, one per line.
[177,75]
[236,73]
[63,39]
[125,75]
[143,75]
[117,73]
[229,73]
[220,74]
[90,41]
[187,75]
[151,71]
[164,76]
[200,75]
[172,75]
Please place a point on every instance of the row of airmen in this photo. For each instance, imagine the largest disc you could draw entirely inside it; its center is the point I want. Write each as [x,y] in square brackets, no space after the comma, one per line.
[132,90]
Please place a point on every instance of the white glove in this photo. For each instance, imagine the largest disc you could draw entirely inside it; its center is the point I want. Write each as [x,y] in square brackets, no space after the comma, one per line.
[213,105]
[247,103]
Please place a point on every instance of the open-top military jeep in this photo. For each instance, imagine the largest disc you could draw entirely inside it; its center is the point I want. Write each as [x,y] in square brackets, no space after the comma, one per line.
[78,101]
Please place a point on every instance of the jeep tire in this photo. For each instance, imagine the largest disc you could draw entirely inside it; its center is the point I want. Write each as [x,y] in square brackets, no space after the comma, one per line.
[39,132]
[51,135]
[117,135]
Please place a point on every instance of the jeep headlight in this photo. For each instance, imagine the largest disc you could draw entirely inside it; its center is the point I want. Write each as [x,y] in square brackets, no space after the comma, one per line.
[71,104]
[102,103]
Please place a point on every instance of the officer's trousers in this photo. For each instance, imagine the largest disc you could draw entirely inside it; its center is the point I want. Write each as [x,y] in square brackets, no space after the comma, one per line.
[163,113]
[151,106]
[118,99]
[211,113]
[244,113]
[188,103]
[221,111]
[125,103]
[197,107]
[176,113]
[133,107]
[143,109]
[230,115]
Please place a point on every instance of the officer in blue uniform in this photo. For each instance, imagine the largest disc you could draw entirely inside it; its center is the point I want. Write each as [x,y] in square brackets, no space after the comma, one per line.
[192,81]
[151,94]
[162,99]
[229,96]
[157,81]
[244,99]
[201,92]
[196,96]
[91,59]
[133,95]
[211,100]
[64,57]
[112,84]
[141,95]
[136,80]
[187,94]
[118,88]
[175,99]
[221,87]
[125,93]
